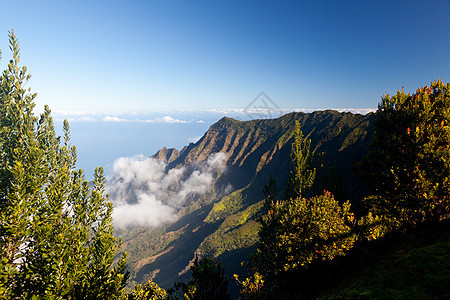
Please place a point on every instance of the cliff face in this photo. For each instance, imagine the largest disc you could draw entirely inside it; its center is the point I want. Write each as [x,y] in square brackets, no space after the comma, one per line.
[220,223]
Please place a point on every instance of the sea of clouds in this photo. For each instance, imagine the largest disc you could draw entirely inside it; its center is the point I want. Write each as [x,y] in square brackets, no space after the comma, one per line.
[144,193]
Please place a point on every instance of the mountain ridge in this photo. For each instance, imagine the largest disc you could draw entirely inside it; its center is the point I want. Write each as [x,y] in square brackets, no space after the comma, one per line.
[220,223]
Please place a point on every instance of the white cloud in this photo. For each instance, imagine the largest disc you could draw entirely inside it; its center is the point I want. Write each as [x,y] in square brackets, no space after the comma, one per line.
[114,119]
[166,119]
[362,111]
[148,212]
[82,119]
[144,194]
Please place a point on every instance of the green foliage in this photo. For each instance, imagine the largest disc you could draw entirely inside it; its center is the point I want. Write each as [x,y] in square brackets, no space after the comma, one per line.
[252,288]
[221,242]
[372,227]
[209,279]
[237,231]
[409,163]
[296,233]
[56,237]
[228,205]
[209,282]
[302,176]
[148,291]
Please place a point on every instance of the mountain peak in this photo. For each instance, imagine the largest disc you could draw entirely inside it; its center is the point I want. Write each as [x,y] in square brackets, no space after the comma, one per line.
[223,123]
[166,155]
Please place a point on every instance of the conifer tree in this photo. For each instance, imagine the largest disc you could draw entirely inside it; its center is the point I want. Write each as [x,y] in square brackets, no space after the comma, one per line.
[209,279]
[56,237]
[208,282]
[302,176]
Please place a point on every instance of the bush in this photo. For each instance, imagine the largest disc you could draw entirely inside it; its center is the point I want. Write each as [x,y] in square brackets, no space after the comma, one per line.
[296,233]
[148,291]
[408,165]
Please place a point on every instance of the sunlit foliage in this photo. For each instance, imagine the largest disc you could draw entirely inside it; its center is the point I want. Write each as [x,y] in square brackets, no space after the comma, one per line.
[148,291]
[296,233]
[252,287]
[409,163]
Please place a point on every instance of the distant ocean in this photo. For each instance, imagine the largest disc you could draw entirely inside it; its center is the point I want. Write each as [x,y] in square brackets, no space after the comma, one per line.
[102,138]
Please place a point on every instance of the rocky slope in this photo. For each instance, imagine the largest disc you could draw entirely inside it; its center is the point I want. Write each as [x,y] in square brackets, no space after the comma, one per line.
[167,155]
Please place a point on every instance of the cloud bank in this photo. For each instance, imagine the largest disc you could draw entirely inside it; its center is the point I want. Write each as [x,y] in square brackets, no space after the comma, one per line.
[165,119]
[144,194]
[188,116]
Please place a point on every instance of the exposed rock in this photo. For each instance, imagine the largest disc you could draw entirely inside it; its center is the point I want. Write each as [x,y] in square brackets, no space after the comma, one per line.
[166,155]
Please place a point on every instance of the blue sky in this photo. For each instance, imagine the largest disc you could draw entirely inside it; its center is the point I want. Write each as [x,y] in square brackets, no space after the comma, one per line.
[124,56]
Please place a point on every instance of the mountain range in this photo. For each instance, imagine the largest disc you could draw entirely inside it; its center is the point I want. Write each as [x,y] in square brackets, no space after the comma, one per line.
[221,222]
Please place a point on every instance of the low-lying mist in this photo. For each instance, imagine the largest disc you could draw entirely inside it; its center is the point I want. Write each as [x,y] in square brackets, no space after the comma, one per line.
[144,193]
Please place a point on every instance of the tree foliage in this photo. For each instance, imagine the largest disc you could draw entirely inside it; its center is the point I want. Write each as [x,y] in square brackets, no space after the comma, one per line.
[148,291]
[302,176]
[208,282]
[56,238]
[303,231]
[252,287]
[209,279]
[409,162]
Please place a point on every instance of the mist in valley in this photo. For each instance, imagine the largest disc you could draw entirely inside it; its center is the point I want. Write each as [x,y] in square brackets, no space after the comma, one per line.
[145,193]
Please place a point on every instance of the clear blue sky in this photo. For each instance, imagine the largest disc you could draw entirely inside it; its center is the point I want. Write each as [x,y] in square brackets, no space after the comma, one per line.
[166,55]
